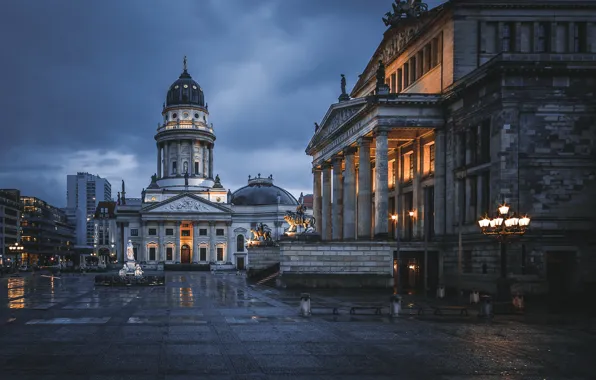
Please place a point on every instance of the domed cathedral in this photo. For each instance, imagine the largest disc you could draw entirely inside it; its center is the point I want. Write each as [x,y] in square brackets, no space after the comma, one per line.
[185,217]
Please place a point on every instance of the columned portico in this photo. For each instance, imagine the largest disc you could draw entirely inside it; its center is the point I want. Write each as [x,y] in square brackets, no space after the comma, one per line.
[364,189]
[337,205]
[326,207]
[381,184]
[349,195]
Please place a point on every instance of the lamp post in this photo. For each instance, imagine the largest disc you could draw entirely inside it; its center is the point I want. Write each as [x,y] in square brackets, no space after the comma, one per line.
[503,225]
[15,249]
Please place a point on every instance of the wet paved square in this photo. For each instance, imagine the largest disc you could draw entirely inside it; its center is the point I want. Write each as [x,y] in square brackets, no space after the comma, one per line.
[209,326]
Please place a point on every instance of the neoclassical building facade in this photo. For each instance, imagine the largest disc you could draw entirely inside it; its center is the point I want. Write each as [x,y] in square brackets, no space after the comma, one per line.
[185,215]
[460,108]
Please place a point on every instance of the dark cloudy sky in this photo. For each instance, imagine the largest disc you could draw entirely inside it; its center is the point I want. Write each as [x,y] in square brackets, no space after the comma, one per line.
[82,83]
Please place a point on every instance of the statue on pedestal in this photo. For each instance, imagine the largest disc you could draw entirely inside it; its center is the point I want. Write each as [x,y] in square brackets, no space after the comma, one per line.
[299,219]
[130,252]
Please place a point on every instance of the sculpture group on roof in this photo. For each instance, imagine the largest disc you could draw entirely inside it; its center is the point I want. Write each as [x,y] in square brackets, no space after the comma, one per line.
[404,9]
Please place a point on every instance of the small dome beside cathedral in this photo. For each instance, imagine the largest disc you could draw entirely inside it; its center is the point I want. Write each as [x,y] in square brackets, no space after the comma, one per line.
[260,192]
[185,91]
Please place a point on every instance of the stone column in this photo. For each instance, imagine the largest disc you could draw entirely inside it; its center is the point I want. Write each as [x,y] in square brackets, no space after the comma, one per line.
[440,186]
[195,241]
[212,253]
[178,158]
[364,189]
[192,159]
[349,196]
[161,255]
[230,250]
[417,191]
[158,160]
[166,159]
[199,158]
[211,161]
[141,249]
[337,205]
[205,158]
[326,207]
[177,248]
[381,184]
[317,199]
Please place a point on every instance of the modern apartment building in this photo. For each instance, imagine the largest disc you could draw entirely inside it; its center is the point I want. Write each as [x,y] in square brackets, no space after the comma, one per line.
[46,233]
[84,191]
[10,215]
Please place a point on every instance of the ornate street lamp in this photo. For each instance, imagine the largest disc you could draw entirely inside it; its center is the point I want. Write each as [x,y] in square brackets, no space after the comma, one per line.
[502,226]
[16,249]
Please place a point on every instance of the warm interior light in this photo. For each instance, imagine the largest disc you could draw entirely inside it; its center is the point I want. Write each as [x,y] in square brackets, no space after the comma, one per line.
[483,223]
[508,222]
[514,221]
[412,267]
[393,217]
[504,209]
[492,223]
[524,222]
[411,213]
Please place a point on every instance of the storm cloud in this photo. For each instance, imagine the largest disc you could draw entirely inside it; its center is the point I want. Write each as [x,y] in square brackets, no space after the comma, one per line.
[83,83]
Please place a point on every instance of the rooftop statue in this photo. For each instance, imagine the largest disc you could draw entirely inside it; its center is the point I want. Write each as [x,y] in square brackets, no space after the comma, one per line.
[404,9]
[343,84]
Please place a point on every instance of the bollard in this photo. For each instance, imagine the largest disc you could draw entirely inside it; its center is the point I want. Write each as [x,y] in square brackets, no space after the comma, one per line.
[395,306]
[474,297]
[486,307]
[305,304]
[441,291]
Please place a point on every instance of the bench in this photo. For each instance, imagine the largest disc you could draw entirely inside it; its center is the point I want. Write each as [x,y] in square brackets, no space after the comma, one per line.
[463,310]
[376,307]
[334,308]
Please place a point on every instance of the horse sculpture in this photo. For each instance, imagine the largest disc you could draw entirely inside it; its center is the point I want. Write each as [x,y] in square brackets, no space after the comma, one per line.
[295,219]
[261,231]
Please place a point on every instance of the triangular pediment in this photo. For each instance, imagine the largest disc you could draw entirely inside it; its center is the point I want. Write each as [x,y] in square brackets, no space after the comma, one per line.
[338,115]
[187,203]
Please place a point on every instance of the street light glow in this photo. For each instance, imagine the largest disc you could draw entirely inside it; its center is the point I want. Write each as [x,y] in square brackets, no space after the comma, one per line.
[504,224]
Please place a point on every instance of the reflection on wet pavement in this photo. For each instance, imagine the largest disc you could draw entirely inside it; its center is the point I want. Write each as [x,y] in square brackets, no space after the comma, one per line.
[200,324]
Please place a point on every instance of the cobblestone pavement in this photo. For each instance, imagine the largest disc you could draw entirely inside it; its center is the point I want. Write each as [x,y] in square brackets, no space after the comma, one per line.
[215,326]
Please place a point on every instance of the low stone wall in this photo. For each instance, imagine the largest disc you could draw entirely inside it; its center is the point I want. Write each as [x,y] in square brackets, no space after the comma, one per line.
[336,264]
[260,258]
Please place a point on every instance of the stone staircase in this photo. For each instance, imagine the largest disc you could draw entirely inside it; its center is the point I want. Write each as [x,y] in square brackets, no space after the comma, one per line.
[265,276]
[269,280]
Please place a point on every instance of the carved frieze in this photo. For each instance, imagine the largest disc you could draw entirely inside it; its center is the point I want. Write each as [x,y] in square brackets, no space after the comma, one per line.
[340,117]
[185,205]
